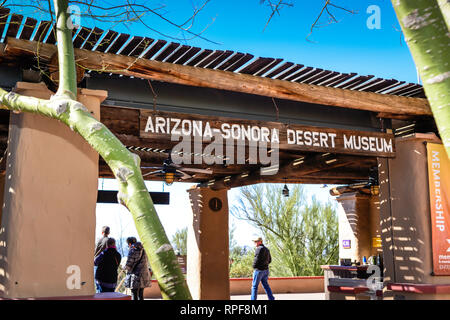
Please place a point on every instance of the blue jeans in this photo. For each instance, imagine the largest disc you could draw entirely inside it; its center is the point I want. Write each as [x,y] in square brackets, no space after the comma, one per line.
[261,276]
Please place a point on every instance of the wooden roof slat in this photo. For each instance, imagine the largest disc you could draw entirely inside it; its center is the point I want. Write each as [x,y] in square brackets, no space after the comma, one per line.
[51,39]
[315,75]
[280,69]
[416,92]
[106,41]
[268,67]
[381,85]
[81,37]
[246,58]
[167,51]
[202,55]
[389,87]
[27,29]
[181,50]
[397,86]
[368,84]
[188,55]
[4,13]
[408,87]
[256,65]
[92,39]
[309,75]
[356,82]
[14,25]
[322,76]
[41,31]
[289,72]
[328,77]
[118,43]
[299,73]
[210,58]
[131,45]
[232,60]
[340,79]
[143,45]
[220,59]
[154,49]
[344,83]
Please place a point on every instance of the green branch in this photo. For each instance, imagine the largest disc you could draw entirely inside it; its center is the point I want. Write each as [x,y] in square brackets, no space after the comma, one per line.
[426,32]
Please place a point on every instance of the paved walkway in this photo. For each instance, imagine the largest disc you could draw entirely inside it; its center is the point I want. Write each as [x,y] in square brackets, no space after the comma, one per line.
[281,296]
[285,296]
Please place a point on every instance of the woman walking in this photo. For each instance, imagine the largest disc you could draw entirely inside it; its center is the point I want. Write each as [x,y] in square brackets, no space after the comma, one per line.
[138,273]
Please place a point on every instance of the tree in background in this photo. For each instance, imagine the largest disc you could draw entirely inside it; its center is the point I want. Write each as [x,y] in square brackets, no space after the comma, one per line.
[301,235]
[179,241]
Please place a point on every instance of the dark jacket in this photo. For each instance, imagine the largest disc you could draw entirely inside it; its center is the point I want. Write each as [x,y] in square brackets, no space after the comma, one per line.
[138,273]
[108,261]
[262,258]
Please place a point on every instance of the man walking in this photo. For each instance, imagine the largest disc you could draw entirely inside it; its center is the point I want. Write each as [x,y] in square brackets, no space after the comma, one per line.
[261,269]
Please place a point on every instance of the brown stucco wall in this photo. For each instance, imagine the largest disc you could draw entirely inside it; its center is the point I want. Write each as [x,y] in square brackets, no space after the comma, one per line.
[48,218]
[405,215]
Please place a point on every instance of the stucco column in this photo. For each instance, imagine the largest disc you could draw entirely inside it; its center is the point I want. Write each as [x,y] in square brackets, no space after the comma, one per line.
[48,220]
[405,214]
[357,211]
[207,248]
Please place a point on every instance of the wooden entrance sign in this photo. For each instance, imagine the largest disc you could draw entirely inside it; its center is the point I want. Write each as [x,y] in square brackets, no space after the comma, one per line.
[159,126]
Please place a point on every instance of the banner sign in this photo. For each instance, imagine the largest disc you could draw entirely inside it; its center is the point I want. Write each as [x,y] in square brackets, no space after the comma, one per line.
[439,188]
[163,125]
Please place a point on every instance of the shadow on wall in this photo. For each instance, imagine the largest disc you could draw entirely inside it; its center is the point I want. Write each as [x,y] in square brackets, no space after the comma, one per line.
[3,262]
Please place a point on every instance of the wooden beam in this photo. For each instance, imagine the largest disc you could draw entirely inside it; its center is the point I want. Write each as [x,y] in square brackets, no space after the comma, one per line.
[218,79]
[298,168]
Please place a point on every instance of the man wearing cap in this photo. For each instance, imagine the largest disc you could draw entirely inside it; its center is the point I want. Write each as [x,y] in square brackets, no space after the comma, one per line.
[261,269]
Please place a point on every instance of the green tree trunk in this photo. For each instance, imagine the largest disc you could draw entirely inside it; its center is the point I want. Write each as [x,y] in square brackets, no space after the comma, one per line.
[425,26]
[124,164]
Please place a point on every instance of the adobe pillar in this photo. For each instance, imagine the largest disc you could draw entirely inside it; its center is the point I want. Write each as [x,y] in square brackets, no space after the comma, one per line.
[360,225]
[207,247]
[406,222]
[48,219]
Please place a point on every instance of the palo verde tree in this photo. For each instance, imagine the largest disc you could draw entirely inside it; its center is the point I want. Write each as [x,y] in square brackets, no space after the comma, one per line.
[302,234]
[426,27]
[63,106]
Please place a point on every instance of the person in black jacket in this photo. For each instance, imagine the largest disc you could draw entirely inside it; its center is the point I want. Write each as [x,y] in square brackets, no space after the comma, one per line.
[107,263]
[261,269]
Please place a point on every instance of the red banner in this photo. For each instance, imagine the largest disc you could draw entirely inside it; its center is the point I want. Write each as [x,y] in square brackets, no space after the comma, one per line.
[439,186]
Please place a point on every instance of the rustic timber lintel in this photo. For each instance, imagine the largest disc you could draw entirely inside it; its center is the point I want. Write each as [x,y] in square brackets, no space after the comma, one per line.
[186,75]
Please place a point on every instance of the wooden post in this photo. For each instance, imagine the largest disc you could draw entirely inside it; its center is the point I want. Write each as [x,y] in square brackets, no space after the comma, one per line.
[208,248]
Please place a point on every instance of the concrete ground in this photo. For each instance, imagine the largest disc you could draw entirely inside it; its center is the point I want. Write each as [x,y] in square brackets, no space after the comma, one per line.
[281,296]
[285,296]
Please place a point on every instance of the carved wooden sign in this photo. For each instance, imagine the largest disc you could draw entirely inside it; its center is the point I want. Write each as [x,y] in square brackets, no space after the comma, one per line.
[164,125]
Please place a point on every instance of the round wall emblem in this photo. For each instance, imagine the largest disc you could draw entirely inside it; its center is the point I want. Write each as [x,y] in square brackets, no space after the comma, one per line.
[215,204]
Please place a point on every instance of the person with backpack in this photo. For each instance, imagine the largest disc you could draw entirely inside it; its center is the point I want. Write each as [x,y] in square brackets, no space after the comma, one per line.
[107,263]
[261,269]
[137,267]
